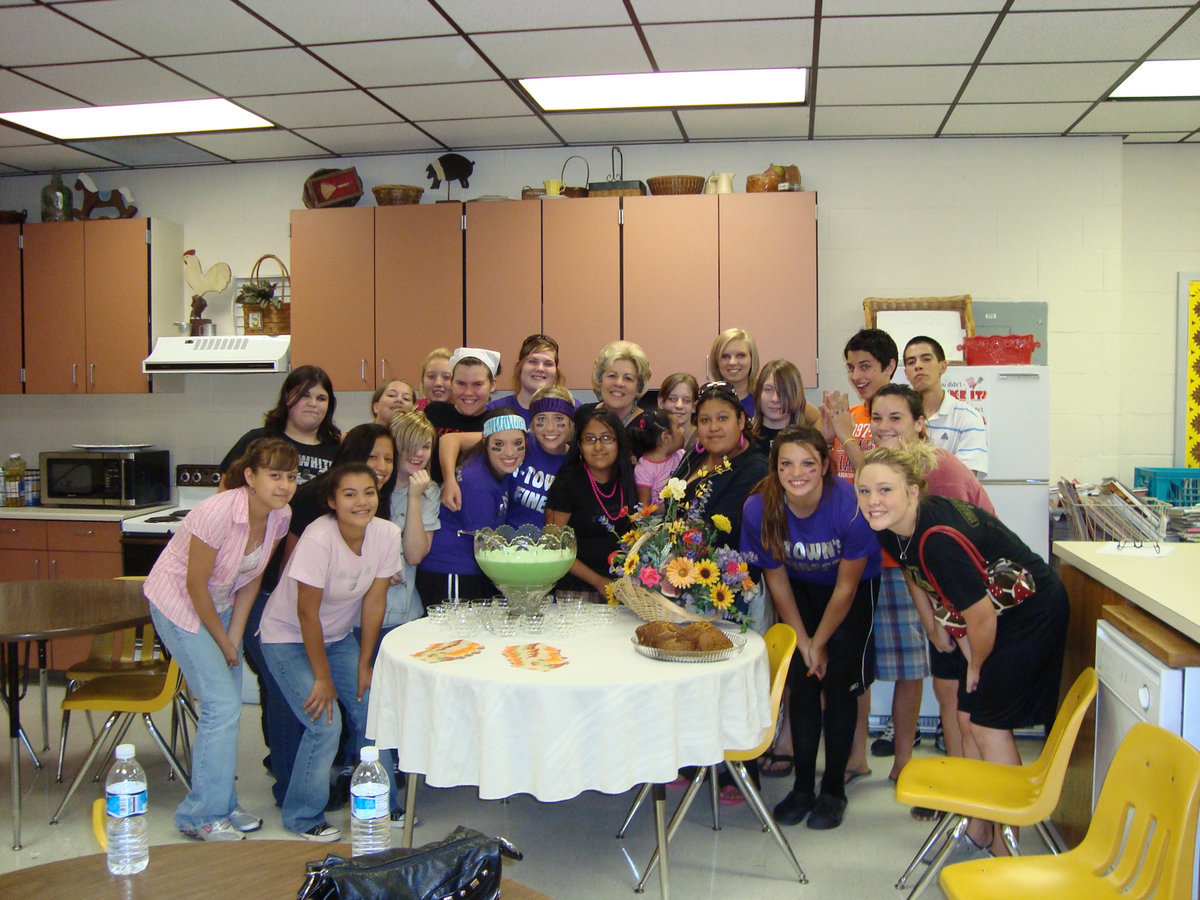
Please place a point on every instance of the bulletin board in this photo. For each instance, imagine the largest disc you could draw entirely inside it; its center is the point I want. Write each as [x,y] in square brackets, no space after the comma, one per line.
[945,319]
[1187,393]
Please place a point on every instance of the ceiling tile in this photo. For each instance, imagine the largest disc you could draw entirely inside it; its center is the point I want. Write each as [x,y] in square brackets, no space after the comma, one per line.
[415,61]
[353,139]
[112,83]
[258,72]
[322,108]
[615,127]
[330,23]
[589,51]
[905,7]
[18,93]
[243,145]
[147,150]
[889,84]
[30,35]
[1128,116]
[155,28]
[903,40]
[708,124]
[1068,36]
[1013,118]
[1048,82]
[53,156]
[1183,44]
[774,43]
[506,131]
[864,121]
[454,101]
[513,15]
[14,137]
[707,10]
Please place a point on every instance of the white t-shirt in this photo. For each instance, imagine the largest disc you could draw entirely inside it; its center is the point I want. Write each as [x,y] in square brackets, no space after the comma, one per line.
[322,559]
[403,602]
[959,429]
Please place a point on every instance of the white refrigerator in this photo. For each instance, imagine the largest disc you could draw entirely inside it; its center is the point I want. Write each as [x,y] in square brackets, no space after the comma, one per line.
[1015,403]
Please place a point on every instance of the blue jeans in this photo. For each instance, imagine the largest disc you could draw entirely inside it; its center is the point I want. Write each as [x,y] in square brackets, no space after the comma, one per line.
[281,730]
[218,690]
[308,788]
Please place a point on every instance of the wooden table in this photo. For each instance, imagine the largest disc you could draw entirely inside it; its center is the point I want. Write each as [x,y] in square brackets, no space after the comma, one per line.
[43,610]
[248,870]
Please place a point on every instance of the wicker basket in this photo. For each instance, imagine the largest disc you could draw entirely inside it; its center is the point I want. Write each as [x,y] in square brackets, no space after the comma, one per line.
[267,318]
[651,606]
[575,192]
[532,193]
[675,184]
[397,194]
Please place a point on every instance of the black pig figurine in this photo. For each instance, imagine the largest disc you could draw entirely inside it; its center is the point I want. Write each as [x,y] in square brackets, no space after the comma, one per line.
[451,167]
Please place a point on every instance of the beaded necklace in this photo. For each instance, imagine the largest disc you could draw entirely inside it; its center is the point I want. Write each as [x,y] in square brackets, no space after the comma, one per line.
[601,496]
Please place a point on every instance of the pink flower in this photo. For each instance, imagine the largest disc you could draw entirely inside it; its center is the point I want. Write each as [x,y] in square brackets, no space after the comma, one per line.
[731,568]
[649,576]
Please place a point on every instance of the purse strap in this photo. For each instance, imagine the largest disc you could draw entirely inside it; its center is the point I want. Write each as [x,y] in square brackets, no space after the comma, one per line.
[970,549]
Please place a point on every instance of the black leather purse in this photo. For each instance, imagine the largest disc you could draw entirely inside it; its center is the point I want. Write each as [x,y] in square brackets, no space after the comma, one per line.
[465,865]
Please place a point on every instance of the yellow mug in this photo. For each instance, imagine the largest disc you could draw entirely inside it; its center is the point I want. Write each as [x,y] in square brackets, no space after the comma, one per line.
[553,186]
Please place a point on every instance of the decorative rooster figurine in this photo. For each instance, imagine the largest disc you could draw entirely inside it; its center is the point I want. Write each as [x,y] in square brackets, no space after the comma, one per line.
[217,278]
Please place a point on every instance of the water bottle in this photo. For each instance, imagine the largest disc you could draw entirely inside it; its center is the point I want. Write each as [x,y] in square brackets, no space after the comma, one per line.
[125,789]
[14,474]
[370,806]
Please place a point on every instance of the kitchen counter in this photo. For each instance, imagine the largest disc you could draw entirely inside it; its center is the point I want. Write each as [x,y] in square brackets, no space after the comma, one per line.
[77,514]
[1163,585]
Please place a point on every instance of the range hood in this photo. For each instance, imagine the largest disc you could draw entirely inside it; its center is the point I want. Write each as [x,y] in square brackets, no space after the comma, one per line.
[234,354]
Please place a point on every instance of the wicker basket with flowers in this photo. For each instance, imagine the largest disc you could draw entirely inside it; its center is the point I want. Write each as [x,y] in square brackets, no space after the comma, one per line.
[673,565]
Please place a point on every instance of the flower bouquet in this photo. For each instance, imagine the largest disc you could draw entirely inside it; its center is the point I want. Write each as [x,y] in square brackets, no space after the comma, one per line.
[671,565]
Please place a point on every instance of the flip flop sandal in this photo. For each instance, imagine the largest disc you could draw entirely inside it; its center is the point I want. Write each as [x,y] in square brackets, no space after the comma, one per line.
[775,765]
[731,796]
[924,814]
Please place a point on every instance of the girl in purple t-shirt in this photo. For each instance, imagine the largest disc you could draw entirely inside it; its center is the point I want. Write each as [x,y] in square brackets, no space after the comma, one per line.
[820,561]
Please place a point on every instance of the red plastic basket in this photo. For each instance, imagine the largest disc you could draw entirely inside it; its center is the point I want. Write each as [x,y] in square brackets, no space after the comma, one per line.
[999,349]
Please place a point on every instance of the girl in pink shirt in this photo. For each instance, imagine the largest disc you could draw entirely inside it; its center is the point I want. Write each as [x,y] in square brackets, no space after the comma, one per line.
[200,591]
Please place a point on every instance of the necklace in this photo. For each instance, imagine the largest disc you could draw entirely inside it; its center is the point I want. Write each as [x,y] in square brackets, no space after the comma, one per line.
[904,549]
[601,496]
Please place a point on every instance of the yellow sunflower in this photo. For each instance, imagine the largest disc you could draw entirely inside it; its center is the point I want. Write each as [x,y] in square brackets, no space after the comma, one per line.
[630,537]
[706,572]
[681,572]
[677,526]
[722,523]
[631,563]
[722,597]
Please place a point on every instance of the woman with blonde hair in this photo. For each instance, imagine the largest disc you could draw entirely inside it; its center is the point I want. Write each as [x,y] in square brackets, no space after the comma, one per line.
[416,502]
[733,358]
[435,376]
[620,376]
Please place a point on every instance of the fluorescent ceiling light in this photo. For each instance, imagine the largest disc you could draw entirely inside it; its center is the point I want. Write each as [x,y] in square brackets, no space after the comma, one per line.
[1162,78]
[178,117]
[739,87]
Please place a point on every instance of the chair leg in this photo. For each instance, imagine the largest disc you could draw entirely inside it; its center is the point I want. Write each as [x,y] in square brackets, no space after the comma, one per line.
[1010,840]
[62,744]
[37,763]
[176,767]
[109,744]
[637,803]
[931,873]
[714,790]
[87,763]
[179,719]
[42,678]
[1050,837]
[688,796]
[738,771]
[937,833]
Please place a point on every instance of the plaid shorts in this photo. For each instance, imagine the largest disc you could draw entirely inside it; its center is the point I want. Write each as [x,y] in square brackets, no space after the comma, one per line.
[899,638]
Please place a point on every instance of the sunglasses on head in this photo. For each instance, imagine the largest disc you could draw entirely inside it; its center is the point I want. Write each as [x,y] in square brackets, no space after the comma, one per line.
[717,389]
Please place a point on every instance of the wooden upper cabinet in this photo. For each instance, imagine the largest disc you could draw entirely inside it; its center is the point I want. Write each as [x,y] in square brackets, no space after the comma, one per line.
[55,359]
[418,286]
[581,280]
[116,265]
[10,309]
[671,281]
[769,274]
[333,294]
[504,277]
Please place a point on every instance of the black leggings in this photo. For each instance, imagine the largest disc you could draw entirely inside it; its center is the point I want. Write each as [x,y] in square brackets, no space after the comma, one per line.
[849,671]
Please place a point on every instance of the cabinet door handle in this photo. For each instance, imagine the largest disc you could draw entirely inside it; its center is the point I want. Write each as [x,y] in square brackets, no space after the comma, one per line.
[85,533]
[74,371]
[362,370]
[92,374]
[54,568]
[37,570]
[382,370]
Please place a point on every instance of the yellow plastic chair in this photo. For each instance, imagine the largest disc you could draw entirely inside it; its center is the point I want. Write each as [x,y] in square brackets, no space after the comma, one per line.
[781,645]
[1011,796]
[127,696]
[99,815]
[1141,843]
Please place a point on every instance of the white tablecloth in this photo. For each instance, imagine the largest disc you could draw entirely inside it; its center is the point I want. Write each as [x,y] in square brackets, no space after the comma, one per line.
[608,720]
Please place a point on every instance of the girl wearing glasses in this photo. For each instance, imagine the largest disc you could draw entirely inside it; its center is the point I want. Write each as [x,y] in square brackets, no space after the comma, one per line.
[593,493]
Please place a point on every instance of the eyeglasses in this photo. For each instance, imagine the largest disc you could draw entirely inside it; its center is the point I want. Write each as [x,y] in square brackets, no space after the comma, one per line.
[605,439]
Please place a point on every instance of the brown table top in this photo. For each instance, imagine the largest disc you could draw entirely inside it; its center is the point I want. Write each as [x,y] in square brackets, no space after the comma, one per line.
[248,870]
[33,610]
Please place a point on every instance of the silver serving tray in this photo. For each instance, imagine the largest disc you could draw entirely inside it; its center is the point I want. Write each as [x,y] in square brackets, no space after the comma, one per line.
[691,656]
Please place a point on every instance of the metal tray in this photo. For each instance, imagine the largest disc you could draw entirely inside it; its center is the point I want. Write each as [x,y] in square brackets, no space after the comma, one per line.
[691,656]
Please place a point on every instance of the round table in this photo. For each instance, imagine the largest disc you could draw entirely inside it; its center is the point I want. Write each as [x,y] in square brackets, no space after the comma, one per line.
[608,720]
[42,610]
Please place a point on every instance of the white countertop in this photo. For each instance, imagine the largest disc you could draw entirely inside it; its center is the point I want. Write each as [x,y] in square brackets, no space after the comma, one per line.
[1165,585]
[77,514]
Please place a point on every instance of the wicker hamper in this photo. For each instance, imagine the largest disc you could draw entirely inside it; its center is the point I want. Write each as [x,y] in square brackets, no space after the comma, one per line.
[266,318]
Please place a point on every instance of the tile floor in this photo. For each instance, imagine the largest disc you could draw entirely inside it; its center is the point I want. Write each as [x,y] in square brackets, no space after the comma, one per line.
[570,852]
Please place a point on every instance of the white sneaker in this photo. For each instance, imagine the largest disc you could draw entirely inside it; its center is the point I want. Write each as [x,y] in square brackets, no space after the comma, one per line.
[220,830]
[398,818]
[324,832]
[244,821]
[966,851]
